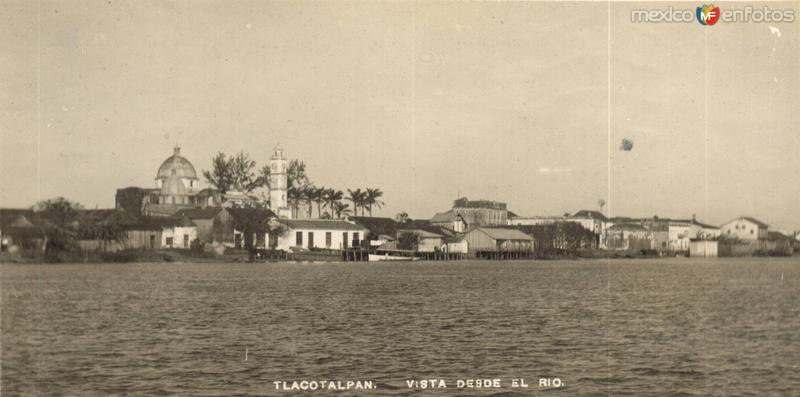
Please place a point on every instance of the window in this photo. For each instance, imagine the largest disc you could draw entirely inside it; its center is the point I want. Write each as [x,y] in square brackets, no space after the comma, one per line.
[310,239]
[152,241]
[355,240]
[298,239]
[751,231]
[344,240]
[328,238]
[186,241]
[169,242]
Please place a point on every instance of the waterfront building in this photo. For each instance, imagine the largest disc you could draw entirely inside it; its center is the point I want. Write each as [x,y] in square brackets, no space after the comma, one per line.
[18,231]
[779,244]
[243,228]
[451,220]
[203,219]
[143,232]
[593,221]
[627,236]
[427,241]
[535,220]
[455,245]
[483,241]
[703,248]
[678,235]
[745,228]
[336,234]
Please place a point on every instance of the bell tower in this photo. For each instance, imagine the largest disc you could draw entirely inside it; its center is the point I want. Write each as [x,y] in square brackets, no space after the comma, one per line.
[278,184]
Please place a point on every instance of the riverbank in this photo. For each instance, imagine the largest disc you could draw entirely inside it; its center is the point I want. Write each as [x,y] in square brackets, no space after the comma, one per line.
[241,256]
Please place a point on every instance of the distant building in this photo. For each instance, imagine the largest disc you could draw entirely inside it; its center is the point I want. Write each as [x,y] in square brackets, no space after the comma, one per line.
[177,187]
[703,248]
[483,241]
[318,234]
[779,244]
[243,228]
[451,220]
[593,221]
[478,212]
[455,245]
[535,220]
[18,231]
[428,241]
[203,219]
[628,237]
[745,228]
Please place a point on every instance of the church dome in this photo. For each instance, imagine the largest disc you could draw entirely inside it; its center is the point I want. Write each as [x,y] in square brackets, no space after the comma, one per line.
[173,186]
[182,167]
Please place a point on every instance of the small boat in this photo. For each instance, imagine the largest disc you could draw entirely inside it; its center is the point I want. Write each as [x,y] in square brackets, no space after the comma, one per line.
[392,255]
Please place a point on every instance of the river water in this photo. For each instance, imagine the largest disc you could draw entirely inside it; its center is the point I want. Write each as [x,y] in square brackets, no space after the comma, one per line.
[677,327]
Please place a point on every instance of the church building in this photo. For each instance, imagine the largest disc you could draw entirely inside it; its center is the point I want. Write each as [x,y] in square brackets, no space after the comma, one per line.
[177,188]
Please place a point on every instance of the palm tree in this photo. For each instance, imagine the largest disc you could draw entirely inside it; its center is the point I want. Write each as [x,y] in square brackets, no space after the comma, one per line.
[294,196]
[332,196]
[371,199]
[340,209]
[319,197]
[312,195]
[357,198]
[307,196]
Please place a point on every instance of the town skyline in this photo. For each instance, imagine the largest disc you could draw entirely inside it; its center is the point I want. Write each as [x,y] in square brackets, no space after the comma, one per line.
[423,103]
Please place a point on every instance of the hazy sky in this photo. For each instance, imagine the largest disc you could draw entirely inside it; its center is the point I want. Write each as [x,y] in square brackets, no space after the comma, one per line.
[425,100]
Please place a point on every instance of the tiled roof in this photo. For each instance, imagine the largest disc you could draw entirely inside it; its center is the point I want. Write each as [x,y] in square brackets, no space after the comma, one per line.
[377,225]
[504,234]
[627,226]
[13,217]
[321,224]
[157,222]
[250,215]
[199,213]
[777,236]
[590,214]
[165,209]
[422,233]
[447,216]
[756,221]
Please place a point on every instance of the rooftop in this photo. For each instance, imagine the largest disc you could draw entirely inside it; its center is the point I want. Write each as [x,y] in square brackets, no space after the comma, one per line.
[321,224]
[503,234]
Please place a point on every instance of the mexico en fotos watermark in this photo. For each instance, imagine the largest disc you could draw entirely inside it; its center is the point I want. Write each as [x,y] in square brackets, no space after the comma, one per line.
[709,15]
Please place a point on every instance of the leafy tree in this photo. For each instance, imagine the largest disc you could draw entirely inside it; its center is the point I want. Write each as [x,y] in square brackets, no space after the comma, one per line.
[601,203]
[408,240]
[220,176]
[264,174]
[402,217]
[58,219]
[236,172]
[103,226]
[296,174]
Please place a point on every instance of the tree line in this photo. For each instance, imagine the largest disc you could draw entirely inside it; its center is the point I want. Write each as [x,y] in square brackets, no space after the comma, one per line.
[239,172]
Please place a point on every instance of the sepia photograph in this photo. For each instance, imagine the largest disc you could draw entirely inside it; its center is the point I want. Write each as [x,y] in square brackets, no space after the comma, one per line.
[399,198]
